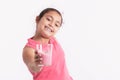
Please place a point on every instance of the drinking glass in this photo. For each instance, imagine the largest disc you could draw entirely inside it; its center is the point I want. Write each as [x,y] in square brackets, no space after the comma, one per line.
[45,51]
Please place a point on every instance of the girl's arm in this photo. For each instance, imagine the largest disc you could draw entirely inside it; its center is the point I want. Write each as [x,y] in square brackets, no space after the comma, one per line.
[32,59]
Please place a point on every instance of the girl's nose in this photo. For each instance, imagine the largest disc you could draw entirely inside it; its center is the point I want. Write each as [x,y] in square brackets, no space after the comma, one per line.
[51,24]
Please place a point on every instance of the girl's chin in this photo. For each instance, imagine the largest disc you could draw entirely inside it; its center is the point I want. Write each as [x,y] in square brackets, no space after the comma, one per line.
[47,36]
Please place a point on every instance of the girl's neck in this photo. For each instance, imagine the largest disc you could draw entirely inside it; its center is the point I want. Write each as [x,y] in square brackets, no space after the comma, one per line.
[41,39]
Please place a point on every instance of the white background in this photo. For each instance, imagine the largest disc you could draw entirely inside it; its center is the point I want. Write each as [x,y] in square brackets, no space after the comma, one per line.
[90,36]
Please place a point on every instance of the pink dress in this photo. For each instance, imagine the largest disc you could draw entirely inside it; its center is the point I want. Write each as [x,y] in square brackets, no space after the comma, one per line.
[58,69]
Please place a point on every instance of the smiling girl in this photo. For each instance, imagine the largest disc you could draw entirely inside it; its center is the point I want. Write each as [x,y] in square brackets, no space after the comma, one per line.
[47,24]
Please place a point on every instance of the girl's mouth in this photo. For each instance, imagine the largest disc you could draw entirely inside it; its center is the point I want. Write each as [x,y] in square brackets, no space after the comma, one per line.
[48,29]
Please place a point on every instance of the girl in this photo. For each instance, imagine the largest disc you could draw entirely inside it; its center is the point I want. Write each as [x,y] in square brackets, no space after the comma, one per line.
[47,24]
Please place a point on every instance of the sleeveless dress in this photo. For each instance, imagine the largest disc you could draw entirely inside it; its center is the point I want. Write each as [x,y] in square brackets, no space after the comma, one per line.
[58,69]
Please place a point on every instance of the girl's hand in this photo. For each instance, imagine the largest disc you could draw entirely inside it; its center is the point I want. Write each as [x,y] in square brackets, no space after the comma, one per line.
[37,65]
[38,59]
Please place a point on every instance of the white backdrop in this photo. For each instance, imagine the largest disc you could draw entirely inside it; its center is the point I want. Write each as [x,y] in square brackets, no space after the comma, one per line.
[90,36]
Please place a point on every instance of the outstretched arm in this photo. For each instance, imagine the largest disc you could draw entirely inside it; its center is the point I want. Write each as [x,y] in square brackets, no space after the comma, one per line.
[32,59]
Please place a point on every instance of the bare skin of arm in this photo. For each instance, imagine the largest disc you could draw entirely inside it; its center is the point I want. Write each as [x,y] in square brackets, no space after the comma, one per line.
[32,59]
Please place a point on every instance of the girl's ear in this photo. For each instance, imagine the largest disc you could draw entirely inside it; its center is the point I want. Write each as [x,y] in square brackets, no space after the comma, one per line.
[37,19]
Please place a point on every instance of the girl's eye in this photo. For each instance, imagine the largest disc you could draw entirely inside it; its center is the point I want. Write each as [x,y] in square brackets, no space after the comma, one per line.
[57,25]
[48,19]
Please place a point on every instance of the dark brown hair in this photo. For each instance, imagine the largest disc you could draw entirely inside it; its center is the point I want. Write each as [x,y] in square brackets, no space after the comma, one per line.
[47,10]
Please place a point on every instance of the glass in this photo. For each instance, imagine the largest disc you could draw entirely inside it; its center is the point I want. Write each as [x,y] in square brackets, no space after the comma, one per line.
[45,51]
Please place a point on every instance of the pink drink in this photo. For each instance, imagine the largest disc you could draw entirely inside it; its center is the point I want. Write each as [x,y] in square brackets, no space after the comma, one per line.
[47,61]
[46,52]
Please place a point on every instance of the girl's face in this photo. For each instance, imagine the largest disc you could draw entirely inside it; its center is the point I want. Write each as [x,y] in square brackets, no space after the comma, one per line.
[49,24]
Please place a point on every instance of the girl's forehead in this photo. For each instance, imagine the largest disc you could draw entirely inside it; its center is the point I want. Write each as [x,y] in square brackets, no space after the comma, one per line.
[53,13]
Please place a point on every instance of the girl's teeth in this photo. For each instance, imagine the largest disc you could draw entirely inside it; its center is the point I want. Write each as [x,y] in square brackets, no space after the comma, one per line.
[48,29]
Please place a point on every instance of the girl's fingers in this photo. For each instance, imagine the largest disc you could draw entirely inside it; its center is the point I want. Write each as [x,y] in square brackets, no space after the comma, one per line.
[38,59]
[37,56]
[39,63]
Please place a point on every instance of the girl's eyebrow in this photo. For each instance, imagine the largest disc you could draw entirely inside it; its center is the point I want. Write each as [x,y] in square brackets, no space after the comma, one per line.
[49,16]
